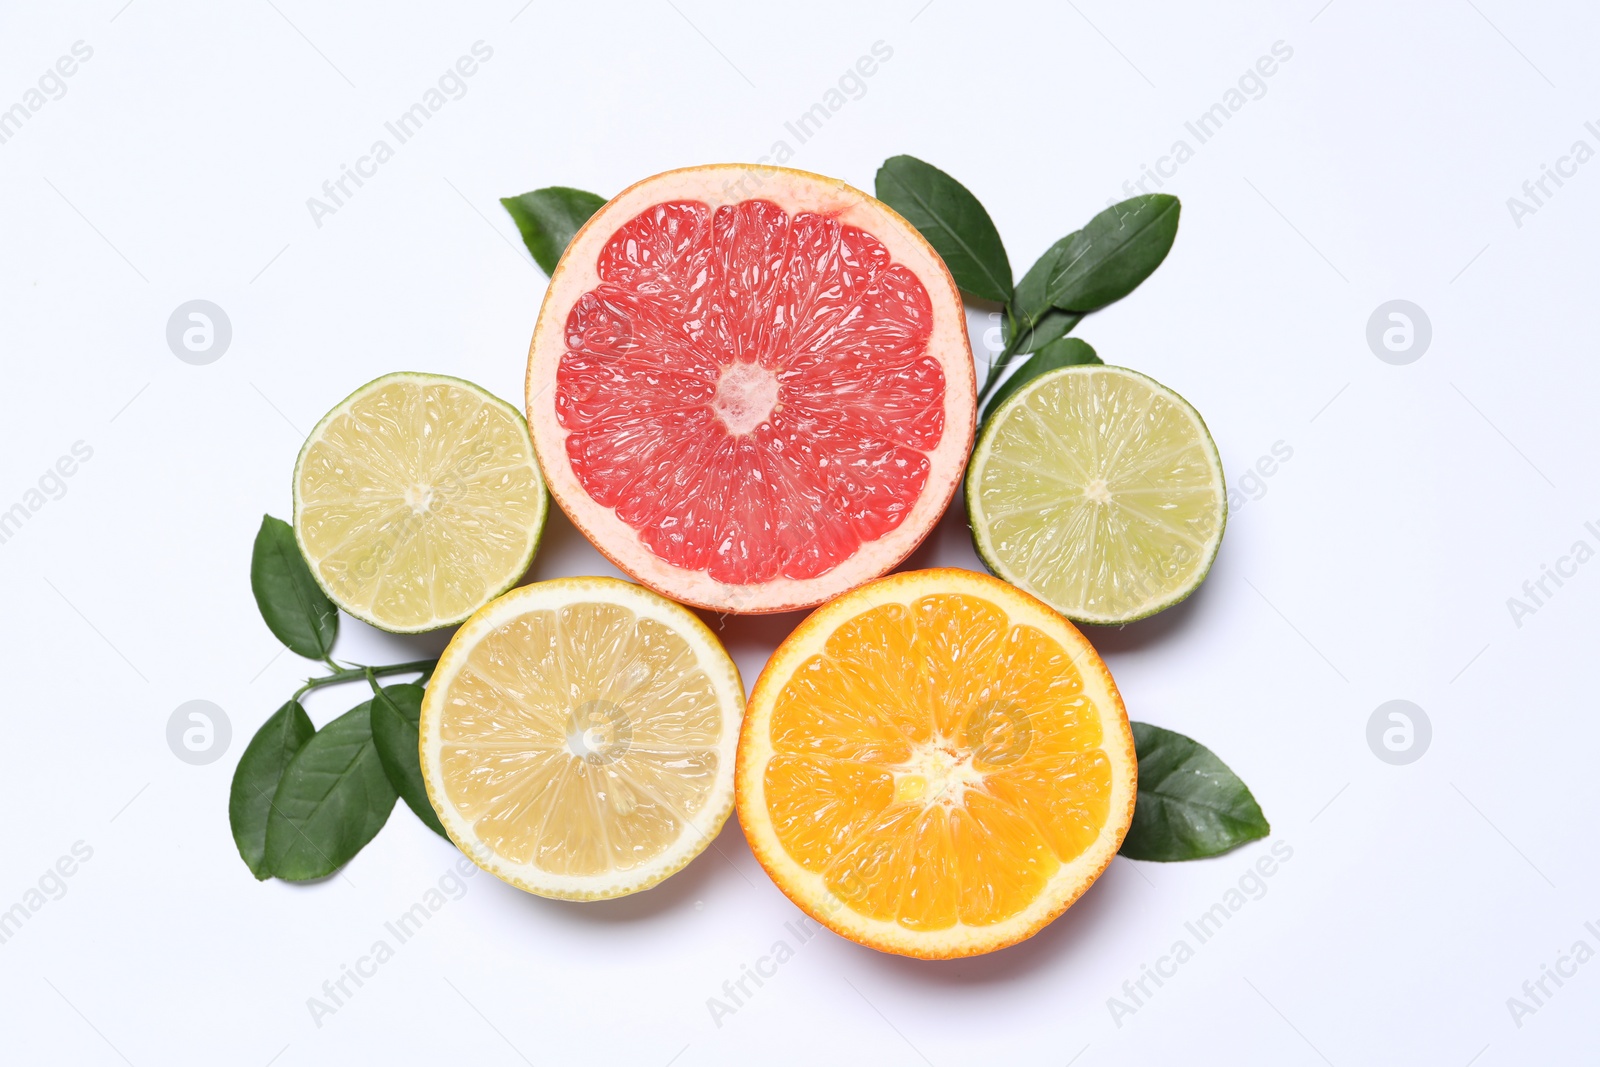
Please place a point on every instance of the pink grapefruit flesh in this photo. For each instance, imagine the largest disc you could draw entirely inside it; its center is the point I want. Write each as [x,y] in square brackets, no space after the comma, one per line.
[751,387]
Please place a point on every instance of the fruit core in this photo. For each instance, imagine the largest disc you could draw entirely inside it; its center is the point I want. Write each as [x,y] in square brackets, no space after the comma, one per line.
[747,394]
[936,775]
[597,732]
[419,498]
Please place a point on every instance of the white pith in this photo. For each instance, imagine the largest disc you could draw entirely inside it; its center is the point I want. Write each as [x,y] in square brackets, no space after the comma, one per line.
[746,397]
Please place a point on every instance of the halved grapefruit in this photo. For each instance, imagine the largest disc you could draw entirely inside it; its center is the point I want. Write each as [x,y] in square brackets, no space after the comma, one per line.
[751,387]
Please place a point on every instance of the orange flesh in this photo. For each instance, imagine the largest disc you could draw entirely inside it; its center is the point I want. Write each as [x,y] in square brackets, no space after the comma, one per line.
[936,763]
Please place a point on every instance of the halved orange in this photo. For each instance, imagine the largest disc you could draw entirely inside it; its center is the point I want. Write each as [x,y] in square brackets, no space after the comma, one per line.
[936,764]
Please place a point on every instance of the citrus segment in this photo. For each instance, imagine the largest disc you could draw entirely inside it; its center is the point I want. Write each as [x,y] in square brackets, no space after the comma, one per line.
[935,764]
[1099,491]
[578,736]
[417,500]
[751,387]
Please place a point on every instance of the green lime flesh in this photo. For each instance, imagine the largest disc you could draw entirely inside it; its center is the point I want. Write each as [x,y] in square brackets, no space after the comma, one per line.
[1100,491]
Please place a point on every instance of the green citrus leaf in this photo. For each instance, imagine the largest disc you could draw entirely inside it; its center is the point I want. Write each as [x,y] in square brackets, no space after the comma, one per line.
[396,710]
[1107,259]
[1063,352]
[333,798]
[1031,303]
[294,606]
[1190,805]
[1053,325]
[952,220]
[547,219]
[255,781]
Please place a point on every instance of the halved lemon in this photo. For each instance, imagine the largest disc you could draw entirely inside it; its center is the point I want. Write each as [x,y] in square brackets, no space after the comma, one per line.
[1099,491]
[935,765]
[578,737]
[418,500]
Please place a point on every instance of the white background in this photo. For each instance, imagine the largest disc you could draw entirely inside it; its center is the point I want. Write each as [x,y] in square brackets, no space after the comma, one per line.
[1373,565]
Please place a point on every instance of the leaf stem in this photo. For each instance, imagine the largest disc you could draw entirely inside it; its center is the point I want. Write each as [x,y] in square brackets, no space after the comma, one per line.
[998,368]
[357,674]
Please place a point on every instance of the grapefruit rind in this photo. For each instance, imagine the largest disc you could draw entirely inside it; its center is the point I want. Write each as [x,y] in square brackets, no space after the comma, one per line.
[794,191]
[535,531]
[698,832]
[809,891]
[982,542]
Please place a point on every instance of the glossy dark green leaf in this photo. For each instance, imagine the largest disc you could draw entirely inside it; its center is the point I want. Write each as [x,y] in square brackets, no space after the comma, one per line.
[1107,259]
[547,219]
[1053,325]
[1065,352]
[333,798]
[396,710]
[1190,805]
[1035,328]
[255,781]
[294,606]
[1031,302]
[952,220]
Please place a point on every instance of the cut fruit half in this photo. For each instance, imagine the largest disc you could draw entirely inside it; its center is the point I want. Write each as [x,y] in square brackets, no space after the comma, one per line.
[578,738]
[1099,491]
[935,765]
[751,387]
[418,500]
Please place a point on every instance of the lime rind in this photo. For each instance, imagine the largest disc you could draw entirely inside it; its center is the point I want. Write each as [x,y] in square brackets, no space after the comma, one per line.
[979,522]
[536,528]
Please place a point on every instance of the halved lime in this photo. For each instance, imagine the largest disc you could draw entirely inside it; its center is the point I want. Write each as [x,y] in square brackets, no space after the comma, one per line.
[1099,491]
[418,500]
